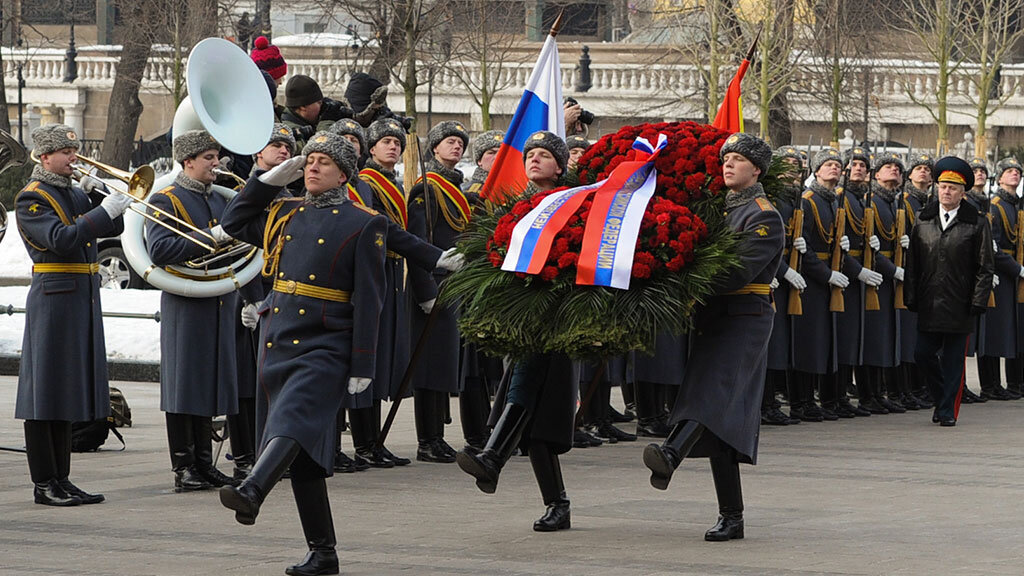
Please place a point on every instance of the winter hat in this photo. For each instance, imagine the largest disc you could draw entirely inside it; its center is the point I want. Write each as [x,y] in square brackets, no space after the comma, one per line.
[192,143]
[750,147]
[576,141]
[337,147]
[486,141]
[268,58]
[271,84]
[282,133]
[888,158]
[445,129]
[301,90]
[824,155]
[52,137]
[360,87]
[350,126]
[1006,164]
[857,153]
[979,164]
[789,152]
[550,142]
[921,160]
[385,127]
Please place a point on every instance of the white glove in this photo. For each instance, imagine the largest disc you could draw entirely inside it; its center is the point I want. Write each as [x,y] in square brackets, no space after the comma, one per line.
[905,241]
[428,305]
[800,245]
[116,203]
[839,279]
[995,280]
[869,277]
[450,260]
[995,247]
[358,385]
[774,284]
[875,244]
[1021,274]
[286,172]
[844,243]
[795,279]
[220,235]
[89,183]
[899,274]
[249,316]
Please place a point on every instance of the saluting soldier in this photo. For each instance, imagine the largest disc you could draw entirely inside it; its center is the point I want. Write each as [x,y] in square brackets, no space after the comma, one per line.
[439,214]
[198,371]
[318,329]
[63,374]
[814,359]
[717,414]
[1003,324]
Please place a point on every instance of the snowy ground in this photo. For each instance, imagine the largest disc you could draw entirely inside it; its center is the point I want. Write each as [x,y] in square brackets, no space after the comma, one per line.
[126,339]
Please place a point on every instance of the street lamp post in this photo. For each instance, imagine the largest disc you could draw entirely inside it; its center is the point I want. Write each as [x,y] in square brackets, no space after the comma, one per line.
[70,65]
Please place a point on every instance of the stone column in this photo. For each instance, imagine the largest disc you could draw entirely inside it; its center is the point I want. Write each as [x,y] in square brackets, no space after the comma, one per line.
[74,116]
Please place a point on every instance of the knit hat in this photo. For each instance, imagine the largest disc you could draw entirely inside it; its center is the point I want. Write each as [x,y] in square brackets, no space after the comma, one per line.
[385,127]
[350,126]
[52,137]
[857,153]
[192,143]
[550,142]
[825,155]
[577,141]
[485,141]
[921,160]
[301,90]
[282,133]
[271,84]
[360,87]
[268,58]
[445,129]
[1006,164]
[338,148]
[888,158]
[979,164]
[750,147]
[954,170]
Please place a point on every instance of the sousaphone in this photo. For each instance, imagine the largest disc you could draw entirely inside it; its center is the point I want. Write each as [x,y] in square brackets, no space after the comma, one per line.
[12,154]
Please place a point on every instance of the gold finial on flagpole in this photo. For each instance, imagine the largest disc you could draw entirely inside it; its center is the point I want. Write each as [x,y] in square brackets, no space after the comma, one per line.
[557,26]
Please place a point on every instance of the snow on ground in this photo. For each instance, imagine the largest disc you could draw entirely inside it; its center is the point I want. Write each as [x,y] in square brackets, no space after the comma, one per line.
[14,259]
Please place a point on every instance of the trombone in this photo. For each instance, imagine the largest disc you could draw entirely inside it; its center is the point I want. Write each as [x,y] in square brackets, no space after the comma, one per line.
[139,184]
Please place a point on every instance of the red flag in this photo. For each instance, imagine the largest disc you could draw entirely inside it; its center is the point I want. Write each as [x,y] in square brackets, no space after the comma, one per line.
[730,113]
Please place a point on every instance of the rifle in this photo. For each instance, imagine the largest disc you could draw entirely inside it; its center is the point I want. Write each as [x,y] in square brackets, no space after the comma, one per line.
[1020,254]
[836,303]
[871,292]
[901,231]
[796,307]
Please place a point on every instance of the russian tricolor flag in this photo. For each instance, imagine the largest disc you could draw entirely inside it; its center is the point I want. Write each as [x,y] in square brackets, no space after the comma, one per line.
[540,108]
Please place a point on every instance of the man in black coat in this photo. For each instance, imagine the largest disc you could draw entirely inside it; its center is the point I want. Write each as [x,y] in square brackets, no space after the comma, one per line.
[947,282]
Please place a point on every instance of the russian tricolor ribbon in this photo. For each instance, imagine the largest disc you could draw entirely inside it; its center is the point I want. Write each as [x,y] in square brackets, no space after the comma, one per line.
[611,230]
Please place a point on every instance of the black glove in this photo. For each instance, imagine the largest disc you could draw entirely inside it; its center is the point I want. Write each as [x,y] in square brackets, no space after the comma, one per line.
[977,310]
[334,110]
[304,132]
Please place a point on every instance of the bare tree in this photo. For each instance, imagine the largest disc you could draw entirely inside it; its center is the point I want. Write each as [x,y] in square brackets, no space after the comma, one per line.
[125,107]
[772,21]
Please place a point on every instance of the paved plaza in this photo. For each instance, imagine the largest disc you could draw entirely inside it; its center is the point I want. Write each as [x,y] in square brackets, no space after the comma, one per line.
[882,495]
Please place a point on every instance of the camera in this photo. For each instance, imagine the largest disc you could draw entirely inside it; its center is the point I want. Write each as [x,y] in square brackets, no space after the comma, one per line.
[586,116]
[405,121]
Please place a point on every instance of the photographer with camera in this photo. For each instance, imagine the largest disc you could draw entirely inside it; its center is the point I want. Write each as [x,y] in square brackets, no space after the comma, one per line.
[307,111]
[369,100]
[577,120]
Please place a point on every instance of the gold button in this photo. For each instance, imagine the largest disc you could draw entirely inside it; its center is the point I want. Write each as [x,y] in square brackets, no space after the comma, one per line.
[290,286]
[312,276]
[276,309]
[319,240]
[335,211]
[302,311]
[296,341]
[288,237]
[270,345]
[280,274]
[88,244]
[302,208]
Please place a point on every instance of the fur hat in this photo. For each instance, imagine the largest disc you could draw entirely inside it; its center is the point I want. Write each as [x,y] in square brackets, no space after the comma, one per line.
[350,126]
[443,130]
[789,152]
[192,143]
[268,58]
[750,147]
[825,155]
[888,158]
[920,160]
[282,133]
[485,141]
[577,141]
[1006,164]
[550,142]
[51,137]
[979,164]
[954,170]
[384,127]
[337,147]
[301,90]
[857,153]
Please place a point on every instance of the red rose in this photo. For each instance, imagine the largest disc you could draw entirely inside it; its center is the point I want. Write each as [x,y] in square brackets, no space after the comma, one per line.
[548,273]
[641,271]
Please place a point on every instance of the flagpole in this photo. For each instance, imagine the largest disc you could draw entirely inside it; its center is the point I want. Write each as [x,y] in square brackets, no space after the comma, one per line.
[753,46]
[557,26]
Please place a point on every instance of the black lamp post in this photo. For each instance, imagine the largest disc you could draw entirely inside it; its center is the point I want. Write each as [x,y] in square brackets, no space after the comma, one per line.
[70,65]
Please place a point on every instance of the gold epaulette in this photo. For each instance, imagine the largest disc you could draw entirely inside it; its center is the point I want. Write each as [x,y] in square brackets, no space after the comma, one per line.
[764,204]
[165,190]
[808,194]
[366,209]
[996,199]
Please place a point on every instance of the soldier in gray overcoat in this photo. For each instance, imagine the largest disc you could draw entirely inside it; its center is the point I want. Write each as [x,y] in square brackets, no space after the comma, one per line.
[318,329]
[198,371]
[988,366]
[913,200]
[63,374]
[717,414]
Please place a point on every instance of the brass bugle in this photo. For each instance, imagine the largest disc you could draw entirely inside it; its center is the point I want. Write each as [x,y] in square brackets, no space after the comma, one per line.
[229,174]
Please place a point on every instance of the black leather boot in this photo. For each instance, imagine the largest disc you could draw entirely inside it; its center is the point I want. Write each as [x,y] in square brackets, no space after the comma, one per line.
[726,473]
[318,528]
[663,460]
[364,439]
[247,498]
[242,435]
[486,466]
[548,472]
[50,493]
[182,447]
[474,408]
[428,425]
[398,460]
[202,432]
[650,421]
[60,434]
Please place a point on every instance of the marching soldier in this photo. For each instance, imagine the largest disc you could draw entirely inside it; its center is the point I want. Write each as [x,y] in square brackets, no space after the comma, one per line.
[814,360]
[438,213]
[326,255]
[717,412]
[1002,326]
[63,374]
[198,371]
